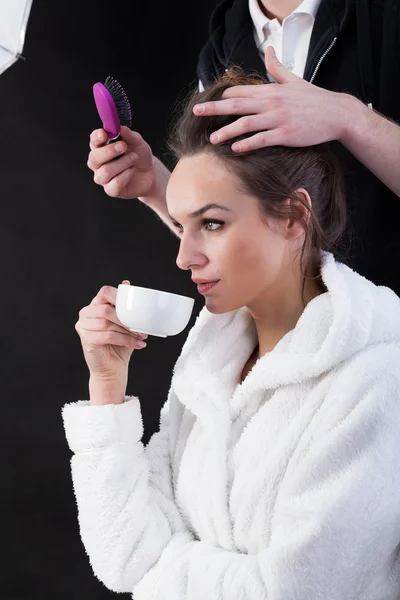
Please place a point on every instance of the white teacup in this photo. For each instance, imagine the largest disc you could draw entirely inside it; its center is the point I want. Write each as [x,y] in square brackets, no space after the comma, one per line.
[152,311]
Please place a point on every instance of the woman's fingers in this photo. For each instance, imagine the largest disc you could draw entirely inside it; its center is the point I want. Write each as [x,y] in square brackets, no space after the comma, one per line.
[104,324]
[108,171]
[106,295]
[98,138]
[103,317]
[113,338]
[100,314]
[99,156]
[117,186]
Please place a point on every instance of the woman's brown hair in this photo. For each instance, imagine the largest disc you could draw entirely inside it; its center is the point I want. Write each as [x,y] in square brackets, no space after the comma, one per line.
[271,174]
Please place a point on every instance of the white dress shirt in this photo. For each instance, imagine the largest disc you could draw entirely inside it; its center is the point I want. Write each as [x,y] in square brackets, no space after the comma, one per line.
[291,40]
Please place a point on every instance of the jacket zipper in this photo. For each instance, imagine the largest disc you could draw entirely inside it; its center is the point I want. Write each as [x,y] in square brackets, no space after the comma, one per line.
[322,58]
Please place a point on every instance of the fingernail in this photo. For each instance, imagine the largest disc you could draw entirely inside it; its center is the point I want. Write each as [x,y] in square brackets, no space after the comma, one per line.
[142,344]
[273,52]
[126,281]
[99,134]
[133,156]
[200,108]
[119,148]
[214,137]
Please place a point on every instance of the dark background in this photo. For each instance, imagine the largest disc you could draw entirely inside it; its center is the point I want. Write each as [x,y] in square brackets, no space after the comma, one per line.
[61,239]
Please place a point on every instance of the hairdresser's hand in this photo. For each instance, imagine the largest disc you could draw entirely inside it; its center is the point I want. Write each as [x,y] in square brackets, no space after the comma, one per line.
[133,175]
[107,344]
[291,112]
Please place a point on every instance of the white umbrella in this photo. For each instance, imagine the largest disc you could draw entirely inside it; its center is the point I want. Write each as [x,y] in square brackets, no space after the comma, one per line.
[14,16]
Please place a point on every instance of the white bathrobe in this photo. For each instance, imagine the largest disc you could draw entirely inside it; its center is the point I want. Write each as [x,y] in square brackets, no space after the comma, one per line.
[284,487]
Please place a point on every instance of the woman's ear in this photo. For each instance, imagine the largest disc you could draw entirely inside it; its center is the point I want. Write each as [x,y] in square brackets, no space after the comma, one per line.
[300,214]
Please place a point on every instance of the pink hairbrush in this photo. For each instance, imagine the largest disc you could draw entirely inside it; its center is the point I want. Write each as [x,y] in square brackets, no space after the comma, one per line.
[113,107]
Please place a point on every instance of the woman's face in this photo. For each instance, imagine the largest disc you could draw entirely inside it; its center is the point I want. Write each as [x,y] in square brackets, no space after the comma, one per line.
[249,257]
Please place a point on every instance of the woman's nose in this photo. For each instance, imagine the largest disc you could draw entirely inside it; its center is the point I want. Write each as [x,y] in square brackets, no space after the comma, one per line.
[188,255]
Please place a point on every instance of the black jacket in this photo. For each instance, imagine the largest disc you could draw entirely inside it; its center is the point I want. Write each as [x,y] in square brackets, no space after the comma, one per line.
[354,48]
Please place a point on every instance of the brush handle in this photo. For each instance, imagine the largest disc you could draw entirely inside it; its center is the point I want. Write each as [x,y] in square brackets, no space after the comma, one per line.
[113,140]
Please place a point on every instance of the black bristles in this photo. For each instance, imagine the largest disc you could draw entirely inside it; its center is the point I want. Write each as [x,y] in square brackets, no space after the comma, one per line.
[121,101]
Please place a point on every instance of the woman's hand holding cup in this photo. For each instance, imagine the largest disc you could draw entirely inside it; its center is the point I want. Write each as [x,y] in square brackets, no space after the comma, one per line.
[107,347]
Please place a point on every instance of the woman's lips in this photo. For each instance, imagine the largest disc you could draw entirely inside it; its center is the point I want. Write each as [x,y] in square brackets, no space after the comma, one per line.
[203,288]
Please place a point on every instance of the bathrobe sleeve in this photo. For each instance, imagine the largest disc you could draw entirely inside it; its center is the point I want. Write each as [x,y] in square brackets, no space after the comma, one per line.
[336,525]
[126,511]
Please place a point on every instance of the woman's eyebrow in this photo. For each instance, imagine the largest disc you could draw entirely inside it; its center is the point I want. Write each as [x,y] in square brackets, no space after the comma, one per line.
[202,210]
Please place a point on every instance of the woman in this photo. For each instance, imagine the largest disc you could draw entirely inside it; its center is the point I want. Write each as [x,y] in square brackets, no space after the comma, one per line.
[275,471]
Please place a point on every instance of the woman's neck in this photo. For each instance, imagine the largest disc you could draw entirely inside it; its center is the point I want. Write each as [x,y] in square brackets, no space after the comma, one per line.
[275,316]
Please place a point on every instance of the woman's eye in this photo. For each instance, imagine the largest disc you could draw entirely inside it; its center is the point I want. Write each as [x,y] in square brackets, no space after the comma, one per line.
[213,222]
[209,225]
[179,228]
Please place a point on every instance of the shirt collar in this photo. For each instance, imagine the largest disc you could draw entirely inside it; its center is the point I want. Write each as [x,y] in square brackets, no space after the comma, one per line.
[260,20]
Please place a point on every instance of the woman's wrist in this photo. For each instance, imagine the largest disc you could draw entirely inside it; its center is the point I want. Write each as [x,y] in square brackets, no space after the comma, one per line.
[156,196]
[102,391]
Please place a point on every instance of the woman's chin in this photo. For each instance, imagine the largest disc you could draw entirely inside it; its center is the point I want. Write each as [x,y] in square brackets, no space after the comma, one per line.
[213,307]
[217,307]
